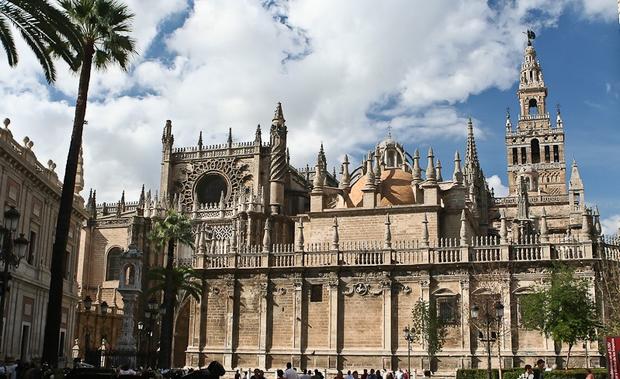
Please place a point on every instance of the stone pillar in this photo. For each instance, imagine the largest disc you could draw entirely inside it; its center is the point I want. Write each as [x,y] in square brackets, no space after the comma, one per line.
[465,327]
[130,282]
[298,320]
[386,285]
[334,311]
[193,341]
[505,335]
[263,292]
[229,285]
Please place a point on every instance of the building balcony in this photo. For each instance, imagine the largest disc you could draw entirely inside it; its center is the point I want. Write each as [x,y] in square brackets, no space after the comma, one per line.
[403,253]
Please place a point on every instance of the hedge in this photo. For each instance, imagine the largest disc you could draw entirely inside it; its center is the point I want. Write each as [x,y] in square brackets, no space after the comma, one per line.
[514,373]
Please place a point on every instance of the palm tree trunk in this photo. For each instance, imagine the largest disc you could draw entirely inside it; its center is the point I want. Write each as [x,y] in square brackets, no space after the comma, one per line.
[167,322]
[63,222]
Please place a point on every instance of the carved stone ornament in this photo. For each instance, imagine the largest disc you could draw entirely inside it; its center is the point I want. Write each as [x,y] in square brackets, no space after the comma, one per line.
[235,173]
[399,287]
[213,290]
[279,291]
[361,289]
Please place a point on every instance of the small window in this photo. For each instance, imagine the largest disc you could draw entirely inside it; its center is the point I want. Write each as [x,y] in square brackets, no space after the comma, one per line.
[515,155]
[67,265]
[556,153]
[547,154]
[447,309]
[523,156]
[32,245]
[316,293]
[535,147]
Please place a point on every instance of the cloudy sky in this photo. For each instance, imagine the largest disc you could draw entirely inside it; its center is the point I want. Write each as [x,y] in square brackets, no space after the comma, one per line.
[344,71]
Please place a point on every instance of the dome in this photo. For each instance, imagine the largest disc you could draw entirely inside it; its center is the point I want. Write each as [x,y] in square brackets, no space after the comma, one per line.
[395,188]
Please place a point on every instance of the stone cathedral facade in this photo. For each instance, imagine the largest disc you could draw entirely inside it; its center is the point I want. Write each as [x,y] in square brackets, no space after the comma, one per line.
[323,270]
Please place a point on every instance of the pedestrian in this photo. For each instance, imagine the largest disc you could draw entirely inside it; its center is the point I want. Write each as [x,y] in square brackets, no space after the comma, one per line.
[590,374]
[290,373]
[372,375]
[339,375]
[237,374]
[540,367]
[365,374]
[349,376]
[378,374]
[528,373]
[280,374]
[389,375]
[356,375]
[398,374]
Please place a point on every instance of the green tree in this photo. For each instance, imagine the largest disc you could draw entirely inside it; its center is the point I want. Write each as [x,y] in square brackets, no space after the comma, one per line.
[185,282]
[167,233]
[46,29]
[428,328]
[562,309]
[102,27]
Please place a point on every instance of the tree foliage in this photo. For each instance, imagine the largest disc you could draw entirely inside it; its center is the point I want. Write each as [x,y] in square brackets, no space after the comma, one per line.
[47,31]
[185,282]
[175,226]
[562,309]
[428,328]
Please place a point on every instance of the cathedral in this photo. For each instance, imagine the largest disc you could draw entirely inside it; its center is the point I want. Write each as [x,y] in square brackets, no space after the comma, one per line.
[324,270]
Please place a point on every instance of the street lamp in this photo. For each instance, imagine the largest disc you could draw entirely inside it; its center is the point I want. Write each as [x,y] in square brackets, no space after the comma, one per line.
[12,251]
[488,319]
[152,311]
[409,336]
[140,330]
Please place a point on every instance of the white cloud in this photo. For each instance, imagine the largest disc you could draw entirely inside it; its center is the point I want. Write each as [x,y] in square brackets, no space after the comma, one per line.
[611,224]
[495,182]
[344,71]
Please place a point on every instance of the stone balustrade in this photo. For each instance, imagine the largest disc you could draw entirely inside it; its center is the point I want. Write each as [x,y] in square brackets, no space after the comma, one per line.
[404,253]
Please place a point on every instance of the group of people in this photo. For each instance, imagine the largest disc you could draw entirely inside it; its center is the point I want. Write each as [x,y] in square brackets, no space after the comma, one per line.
[538,372]
[292,373]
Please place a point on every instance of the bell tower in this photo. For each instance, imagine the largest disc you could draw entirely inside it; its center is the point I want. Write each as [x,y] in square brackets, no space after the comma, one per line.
[535,150]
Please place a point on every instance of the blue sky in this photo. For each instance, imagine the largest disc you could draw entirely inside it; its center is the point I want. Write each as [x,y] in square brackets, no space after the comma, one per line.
[344,71]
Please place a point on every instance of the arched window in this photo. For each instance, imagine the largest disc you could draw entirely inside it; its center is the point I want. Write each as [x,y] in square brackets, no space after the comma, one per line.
[129,275]
[210,187]
[532,107]
[112,271]
[535,149]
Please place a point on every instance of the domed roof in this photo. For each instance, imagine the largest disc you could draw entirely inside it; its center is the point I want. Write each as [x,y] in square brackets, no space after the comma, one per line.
[395,188]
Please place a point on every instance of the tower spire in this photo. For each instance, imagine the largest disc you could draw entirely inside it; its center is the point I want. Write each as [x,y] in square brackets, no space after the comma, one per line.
[257,136]
[200,140]
[79,174]
[229,140]
[278,165]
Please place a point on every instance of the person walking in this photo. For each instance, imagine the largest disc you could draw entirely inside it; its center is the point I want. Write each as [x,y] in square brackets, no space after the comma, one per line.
[290,373]
[528,374]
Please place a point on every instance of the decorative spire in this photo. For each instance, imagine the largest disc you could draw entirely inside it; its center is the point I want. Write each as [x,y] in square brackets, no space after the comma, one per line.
[300,237]
[585,224]
[229,140]
[544,229]
[503,230]
[319,171]
[267,237]
[141,202]
[471,155]
[523,204]
[438,171]
[345,179]
[558,118]
[425,235]
[278,116]
[335,236]
[370,176]
[122,202]
[463,229]
[387,241]
[430,168]
[575,182]
[167,137]
[79,174]
[597,222]
[508,122]
[417,171]
[377,166]
[92,205]
[200,140]
[457,177]
[257,136]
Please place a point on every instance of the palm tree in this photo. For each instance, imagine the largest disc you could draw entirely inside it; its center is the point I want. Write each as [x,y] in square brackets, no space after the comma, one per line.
[103,27]
[175,228]
[185,283]
[46,29]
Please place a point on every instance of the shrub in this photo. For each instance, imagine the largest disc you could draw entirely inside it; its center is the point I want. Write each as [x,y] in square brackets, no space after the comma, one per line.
[514,373]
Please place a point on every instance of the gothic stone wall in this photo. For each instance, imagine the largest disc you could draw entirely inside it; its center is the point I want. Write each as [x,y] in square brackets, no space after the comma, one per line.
[354,319]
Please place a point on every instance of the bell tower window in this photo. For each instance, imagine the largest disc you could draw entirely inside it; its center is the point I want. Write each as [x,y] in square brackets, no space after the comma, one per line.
[515,155]
[547,154]
[532,107]
[523,155]
[556,153]
[535,148]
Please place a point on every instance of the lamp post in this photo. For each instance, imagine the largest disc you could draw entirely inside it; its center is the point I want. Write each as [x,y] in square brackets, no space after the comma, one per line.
[103,310]
[12,251]
[409,336]
[87,303]
[152,311]
[140,330]
[488,319]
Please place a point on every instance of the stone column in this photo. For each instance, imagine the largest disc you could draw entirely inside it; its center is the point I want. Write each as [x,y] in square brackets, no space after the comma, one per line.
[193,341]
[386,285]
[465,327]
[297,320]
[505,335]
[229,285]
[263,292]
[334,311]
